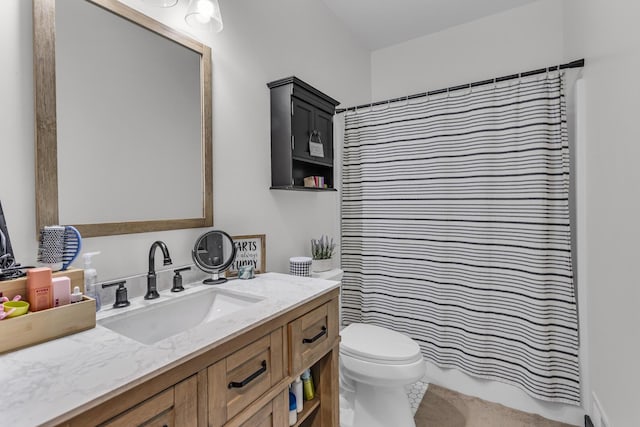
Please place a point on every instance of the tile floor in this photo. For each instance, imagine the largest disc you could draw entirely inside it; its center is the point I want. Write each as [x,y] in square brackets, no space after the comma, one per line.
[416,392]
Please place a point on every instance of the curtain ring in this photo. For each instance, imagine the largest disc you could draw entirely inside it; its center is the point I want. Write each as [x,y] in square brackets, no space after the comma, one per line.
[355,110]
[406,101]
[495,84]
[388,104]
[448,93]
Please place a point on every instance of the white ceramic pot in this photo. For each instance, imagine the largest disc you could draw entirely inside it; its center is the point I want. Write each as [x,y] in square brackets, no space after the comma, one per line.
[318,265]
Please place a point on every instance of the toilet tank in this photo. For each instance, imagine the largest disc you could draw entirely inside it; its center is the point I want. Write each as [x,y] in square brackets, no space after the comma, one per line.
[335,274]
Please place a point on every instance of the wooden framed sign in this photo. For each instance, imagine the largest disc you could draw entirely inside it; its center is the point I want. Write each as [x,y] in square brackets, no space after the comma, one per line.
[250,250]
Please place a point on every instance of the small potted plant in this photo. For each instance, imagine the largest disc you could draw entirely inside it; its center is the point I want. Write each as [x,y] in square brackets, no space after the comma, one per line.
[321,252]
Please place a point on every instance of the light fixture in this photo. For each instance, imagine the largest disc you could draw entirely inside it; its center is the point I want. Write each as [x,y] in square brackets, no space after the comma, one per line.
[162,3]
[204,14]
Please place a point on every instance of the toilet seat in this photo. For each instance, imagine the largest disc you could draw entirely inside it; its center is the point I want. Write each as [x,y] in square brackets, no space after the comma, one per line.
[373,344]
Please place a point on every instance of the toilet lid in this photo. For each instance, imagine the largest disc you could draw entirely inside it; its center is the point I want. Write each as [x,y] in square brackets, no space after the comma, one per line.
[379,345]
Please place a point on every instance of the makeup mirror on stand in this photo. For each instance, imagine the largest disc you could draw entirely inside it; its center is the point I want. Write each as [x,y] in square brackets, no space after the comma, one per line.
[213,253]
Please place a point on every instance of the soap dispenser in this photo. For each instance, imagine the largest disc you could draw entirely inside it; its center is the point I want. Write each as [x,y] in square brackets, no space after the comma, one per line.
[91,279]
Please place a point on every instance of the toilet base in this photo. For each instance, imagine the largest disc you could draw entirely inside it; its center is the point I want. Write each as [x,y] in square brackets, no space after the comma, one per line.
[374,406]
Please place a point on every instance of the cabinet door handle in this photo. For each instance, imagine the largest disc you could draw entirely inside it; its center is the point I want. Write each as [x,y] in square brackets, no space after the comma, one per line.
[316,338]
[250,378]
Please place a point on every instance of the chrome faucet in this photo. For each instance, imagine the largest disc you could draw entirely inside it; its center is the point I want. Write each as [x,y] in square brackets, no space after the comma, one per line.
[152,290]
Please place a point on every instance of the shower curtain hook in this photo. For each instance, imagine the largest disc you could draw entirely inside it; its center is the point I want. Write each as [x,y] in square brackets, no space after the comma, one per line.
[495,83]
[448,92]
[388,104]
[407,101]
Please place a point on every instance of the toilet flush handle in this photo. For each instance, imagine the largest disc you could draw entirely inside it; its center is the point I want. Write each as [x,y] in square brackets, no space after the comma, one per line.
[316,338]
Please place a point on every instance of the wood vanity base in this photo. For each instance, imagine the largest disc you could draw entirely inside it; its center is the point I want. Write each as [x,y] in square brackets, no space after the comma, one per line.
[241,382]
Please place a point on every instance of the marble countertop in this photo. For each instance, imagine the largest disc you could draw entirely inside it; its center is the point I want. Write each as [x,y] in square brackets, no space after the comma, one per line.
[44,382]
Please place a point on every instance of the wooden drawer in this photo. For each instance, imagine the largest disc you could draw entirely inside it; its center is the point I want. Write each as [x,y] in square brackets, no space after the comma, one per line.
[176,406]
[239,379]
[273,414]
[311,336]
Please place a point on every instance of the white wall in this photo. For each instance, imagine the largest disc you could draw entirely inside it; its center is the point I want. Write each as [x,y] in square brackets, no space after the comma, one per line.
[521,39]
[607,35]
[262,41]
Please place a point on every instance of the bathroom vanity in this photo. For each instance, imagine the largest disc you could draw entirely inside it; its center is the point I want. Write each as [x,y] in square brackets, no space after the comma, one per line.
[233,370]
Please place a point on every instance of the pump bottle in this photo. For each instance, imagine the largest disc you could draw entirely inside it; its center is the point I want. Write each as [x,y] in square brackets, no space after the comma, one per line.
[91,279]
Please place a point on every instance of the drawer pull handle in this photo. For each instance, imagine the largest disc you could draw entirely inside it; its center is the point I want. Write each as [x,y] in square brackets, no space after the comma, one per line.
[250,378]
[316,338]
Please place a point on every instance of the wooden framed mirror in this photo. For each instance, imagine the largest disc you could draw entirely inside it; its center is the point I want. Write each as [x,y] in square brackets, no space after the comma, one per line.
[123,131]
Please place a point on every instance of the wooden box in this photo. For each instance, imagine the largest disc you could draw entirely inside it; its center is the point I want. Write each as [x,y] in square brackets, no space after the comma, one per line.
[40,326]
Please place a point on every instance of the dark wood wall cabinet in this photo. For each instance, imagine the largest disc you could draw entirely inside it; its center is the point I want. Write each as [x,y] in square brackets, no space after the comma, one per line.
[301,136]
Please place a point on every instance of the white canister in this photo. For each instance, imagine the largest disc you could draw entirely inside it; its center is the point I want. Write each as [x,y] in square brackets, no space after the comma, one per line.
[300,266]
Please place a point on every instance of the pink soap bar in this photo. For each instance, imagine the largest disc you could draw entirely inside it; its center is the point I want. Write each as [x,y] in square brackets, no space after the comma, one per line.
[61,291]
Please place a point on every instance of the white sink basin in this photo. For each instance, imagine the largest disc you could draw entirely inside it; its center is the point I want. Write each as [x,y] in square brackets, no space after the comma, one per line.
[178,313]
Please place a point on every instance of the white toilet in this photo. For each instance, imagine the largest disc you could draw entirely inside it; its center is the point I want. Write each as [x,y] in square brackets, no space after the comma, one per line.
[375,365]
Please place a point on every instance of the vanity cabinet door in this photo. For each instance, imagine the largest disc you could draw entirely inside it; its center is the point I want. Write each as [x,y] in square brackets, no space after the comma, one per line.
[273,414]
[147,412]
[242,377]
[176,406]
[311,336]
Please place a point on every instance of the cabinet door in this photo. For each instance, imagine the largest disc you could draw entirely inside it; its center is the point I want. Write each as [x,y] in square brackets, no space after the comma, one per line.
[273,414]
[176,406]
[302,125]
[323,123]
[157,410]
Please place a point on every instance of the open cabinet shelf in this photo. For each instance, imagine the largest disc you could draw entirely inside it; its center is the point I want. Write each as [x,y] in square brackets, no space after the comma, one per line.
[310,406]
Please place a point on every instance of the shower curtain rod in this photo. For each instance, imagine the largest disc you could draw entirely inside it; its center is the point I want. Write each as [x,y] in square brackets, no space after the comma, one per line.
[579,63]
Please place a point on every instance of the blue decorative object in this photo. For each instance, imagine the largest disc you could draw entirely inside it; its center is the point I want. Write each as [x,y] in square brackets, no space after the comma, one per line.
[246,272]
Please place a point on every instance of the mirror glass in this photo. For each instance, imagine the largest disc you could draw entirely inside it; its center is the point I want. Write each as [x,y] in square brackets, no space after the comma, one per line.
[141,115]
[213,253]
[132,121]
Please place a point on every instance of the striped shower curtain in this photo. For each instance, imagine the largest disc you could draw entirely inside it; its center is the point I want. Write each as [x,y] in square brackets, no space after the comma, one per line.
[455,231]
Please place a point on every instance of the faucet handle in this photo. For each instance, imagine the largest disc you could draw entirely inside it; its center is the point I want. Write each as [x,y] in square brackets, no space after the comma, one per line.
[121,293]
[177,279]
